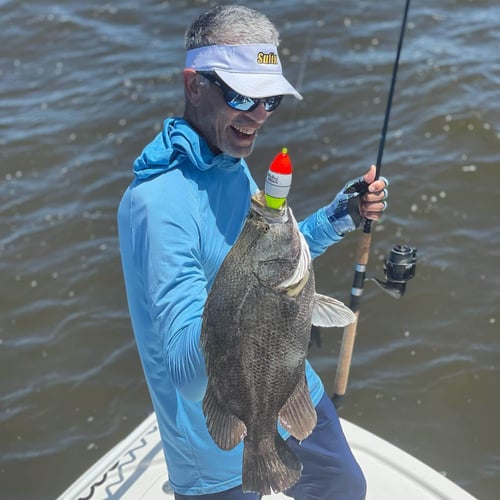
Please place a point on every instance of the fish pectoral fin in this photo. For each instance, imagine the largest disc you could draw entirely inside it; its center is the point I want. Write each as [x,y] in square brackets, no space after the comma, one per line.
[226,429]
[331,312]
[298,415]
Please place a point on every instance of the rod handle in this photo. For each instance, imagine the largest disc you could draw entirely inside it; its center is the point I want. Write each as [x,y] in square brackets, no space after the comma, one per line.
[349,333]
[344,361]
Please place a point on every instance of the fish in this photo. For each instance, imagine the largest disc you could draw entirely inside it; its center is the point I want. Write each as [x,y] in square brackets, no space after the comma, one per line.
[255,333]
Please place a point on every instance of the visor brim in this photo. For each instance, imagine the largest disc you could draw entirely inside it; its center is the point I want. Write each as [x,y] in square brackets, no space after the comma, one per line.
[258,85]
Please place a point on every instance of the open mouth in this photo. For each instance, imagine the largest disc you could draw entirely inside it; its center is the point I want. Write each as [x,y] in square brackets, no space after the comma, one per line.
[244,133]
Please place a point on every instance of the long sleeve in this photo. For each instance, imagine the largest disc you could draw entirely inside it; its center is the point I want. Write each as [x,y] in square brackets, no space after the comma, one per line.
[318,232]
[163,226]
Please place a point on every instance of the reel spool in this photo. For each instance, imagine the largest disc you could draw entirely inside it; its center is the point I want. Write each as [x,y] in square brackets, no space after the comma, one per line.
[399,268]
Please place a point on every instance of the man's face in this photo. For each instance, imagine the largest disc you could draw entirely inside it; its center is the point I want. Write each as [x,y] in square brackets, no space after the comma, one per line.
[226,129]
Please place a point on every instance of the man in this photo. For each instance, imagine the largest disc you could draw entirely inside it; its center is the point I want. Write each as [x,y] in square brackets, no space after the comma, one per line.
[177,221]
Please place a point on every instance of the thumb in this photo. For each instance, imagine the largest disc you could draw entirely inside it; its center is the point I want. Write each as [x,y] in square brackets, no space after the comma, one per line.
[369,177]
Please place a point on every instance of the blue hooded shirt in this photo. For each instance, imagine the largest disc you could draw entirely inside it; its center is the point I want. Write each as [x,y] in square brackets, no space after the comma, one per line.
[177,221]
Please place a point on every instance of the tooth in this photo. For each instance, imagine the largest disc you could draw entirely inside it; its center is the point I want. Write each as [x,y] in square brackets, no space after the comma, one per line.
[245,131]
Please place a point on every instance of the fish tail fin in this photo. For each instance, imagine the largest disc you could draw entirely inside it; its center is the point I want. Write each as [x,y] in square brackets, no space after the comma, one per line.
[269,466]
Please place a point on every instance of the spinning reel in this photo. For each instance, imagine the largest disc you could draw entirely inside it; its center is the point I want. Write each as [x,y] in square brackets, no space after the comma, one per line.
[398,269]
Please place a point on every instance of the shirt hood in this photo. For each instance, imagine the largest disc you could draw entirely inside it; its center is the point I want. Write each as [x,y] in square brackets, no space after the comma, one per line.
[175,144]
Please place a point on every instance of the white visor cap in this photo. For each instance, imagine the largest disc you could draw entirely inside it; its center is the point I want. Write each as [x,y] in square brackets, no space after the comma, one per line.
[251,70]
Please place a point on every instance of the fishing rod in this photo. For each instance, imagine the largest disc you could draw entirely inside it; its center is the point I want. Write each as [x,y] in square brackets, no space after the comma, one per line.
[399,268]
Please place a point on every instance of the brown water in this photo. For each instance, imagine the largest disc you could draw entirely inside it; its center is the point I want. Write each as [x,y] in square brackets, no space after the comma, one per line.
[85,85]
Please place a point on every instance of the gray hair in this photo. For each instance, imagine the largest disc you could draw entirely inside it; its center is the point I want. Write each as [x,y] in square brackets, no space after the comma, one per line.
[230,25]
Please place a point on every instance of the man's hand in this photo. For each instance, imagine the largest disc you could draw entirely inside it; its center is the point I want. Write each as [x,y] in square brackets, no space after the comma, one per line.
[372,203]
[361,197]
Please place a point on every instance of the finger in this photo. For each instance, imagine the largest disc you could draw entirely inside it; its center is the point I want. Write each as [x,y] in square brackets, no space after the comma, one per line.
[369,177]
[372,210]
[375,216]
[374,206]
[374,197]
[378,185]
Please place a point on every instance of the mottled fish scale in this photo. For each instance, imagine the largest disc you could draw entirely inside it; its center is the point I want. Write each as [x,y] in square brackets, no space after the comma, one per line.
[255,334]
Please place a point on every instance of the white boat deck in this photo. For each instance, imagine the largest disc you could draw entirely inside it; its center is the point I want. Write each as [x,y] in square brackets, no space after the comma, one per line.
[135,469]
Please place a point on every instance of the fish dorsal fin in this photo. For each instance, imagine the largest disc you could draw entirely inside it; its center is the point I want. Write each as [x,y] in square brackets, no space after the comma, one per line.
[300,276]
[331,312]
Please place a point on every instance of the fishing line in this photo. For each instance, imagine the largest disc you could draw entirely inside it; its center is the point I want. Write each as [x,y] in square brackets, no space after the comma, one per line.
[363,251]
[302,70]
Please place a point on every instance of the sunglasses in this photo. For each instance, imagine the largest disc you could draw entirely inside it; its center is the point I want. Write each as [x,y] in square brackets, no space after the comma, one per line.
[238,101]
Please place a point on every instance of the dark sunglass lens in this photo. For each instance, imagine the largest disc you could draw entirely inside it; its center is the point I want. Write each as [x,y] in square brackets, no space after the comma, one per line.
[271,103]
[238,101]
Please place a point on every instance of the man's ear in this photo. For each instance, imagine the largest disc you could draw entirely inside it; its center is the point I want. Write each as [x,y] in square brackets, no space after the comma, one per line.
[192,86]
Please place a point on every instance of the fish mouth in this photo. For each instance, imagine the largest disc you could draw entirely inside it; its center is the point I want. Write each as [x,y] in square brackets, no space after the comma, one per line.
[270,215]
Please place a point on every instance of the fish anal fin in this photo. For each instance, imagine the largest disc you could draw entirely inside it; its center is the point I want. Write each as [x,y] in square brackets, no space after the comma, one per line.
[226,429]
[298,415]
[329,312]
